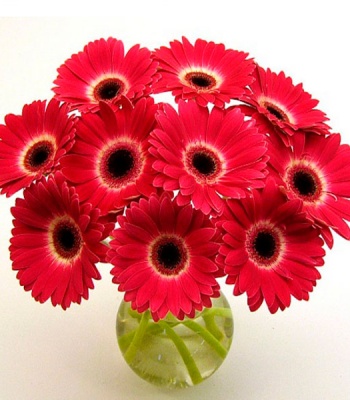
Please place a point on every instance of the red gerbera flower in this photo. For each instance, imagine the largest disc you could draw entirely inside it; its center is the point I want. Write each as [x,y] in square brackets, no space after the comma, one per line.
[109,163]
[315,170]
[286,105]
[205,71]
[32,144]
[206,155]
[270,250]
[163,257]
[56,243]
[101,72]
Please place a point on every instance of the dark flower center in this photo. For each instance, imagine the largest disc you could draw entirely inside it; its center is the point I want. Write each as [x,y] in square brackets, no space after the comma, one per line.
[304,183]
[120,163]
[265,245]
[169,255]
[200,80]
[39,155]
[108,89]
[67,239]
[204,163]
[276,111]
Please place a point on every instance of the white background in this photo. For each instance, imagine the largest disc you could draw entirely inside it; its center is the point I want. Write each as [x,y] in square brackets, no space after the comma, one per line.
[302,353]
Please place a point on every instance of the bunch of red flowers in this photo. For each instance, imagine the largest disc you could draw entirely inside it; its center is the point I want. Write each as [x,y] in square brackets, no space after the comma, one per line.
[240,177]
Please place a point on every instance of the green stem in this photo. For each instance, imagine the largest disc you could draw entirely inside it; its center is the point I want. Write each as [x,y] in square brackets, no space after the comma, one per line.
[134,314]
[125,340]
[209,320]
[184,353]
[207,336]
[219,311]
[137,339]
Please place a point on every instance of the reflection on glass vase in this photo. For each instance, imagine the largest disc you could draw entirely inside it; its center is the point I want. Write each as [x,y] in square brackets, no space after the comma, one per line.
[173,352]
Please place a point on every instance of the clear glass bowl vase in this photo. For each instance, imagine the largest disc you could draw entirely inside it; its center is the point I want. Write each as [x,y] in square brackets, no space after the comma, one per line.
[173,352]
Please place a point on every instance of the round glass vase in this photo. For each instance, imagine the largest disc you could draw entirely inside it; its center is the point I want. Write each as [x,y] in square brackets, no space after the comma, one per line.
[173,352]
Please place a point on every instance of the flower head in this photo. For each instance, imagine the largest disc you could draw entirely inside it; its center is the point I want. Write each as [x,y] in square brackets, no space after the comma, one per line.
[286,105]
[56,243]
[102,72]
[207,155]
[163,257]
[32,144]
[270,250]
[240,178]
[109,163]
[205,71]
[314,169]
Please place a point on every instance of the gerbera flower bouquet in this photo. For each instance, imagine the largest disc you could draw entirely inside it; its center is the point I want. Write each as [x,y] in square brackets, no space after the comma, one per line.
[178,168]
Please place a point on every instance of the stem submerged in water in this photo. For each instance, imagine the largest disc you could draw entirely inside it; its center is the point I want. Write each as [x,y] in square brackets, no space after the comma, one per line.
[130,353]
[207,336]
[174,352]
[184,352]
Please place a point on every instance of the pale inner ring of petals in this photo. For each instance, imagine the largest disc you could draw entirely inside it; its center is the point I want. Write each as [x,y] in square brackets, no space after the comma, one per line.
[65,238]
[277,110]
[305,181]
[120,163]
[204,163]
[107,88]
[168,255]
[38,154]
[264,244]
[200,79]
